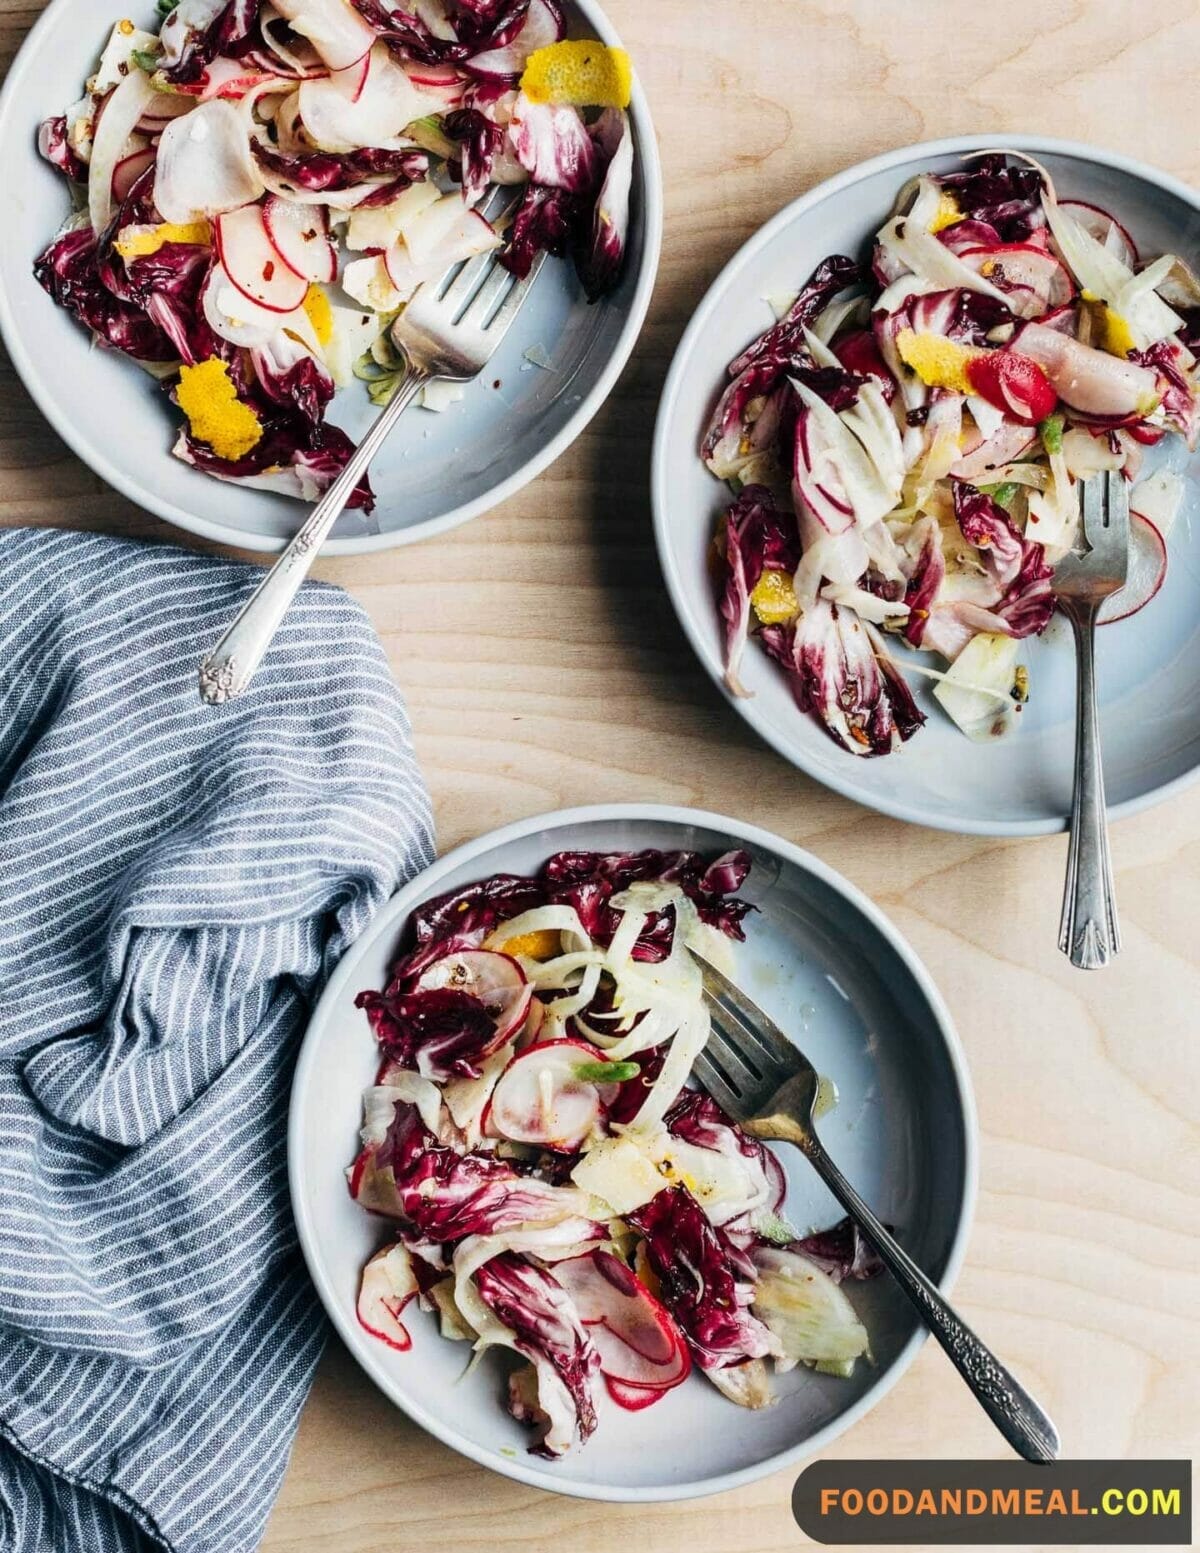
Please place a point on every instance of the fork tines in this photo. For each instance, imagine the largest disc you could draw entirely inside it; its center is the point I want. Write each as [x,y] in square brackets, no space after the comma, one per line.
[747,1058]
[473,294]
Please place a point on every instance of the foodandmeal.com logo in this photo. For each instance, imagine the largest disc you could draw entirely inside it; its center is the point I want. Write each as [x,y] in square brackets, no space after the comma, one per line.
[932,1503]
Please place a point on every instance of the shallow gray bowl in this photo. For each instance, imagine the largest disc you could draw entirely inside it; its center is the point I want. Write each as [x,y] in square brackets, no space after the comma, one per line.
[829,967]
[1148,666]
[436,471]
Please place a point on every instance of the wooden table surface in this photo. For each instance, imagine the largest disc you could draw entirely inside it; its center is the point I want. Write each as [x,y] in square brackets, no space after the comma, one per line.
[543,666]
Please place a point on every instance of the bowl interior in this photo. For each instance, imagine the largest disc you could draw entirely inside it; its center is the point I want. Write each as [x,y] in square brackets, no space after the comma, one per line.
[1146,665]
[435,470]
[900,1130]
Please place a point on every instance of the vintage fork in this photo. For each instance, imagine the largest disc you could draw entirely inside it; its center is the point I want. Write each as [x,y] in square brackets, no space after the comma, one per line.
[770,1088]
[450,329]
[1089,933]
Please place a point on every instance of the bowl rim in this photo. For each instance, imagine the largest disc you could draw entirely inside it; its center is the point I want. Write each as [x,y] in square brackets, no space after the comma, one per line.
[145,497]
[914,811]
[398,907]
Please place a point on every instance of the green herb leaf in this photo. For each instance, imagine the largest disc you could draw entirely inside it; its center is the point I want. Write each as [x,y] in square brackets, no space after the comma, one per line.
[606,1072]
[1051,431]
[145,60]
[165,7]
[1003,495]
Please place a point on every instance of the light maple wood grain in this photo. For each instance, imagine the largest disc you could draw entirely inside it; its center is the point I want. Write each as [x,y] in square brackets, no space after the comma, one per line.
[543,666]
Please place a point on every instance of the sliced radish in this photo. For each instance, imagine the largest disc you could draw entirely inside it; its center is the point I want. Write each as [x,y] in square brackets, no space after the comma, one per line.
[542,1098]
[335,29]
[1034,281]
[253,264]
[441,81]
[1003,447]
[232,316]
[296,60]
[495,979]
[232,79]
[300,235]
[1105,229]
[388,1283]
[123,110]
[368,104]
[1147,571]
[544,24]
[204,164]
[129,169]
[1086,379]
[406,276]
[642,1351]
[164,107]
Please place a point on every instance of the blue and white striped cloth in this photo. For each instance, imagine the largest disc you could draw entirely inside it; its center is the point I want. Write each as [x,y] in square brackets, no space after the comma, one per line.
[176,882]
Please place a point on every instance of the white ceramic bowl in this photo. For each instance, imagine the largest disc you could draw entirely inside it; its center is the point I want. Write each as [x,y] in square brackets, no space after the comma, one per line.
[828,965]
[436,471]
[1148,666]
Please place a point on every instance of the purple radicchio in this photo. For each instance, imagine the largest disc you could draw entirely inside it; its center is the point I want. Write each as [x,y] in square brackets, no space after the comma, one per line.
[602,258]
[480,141]
[756,373]
[1174,365]
[462,919]
[553,145]
[707,1282]
[1008,198]
[329,171]
[70,271]
[1016,566]
[197,31]
[478,27]
[56,148]
[548,1330]
[841,1251]
[757,538]
[407,1174]
[840,672]
[442,1032]
[925,574]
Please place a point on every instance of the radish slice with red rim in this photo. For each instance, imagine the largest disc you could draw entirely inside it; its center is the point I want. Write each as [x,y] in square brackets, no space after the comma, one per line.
[639,1344]
[254,264]
[388,1283]
[129,169]
[1034,281]
[1147,572]
[495,979]
[548,1096]
[1105,229]
[300,235]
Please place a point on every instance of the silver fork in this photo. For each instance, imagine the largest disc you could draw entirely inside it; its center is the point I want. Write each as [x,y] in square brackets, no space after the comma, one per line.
[450,329]
[1089,933]
[767,1085]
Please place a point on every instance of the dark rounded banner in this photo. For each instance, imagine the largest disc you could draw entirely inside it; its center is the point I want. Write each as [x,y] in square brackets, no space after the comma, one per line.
[932,1503]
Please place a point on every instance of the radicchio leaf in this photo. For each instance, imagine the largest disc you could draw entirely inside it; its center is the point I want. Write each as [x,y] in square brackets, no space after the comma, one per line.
[321,171]
[757,371]
[1180,400]
[707,1282]
[55,147]
[197,31]
[838,675]
[547,1329]
[1008,198]
[1016,565]
[758,538]
[442,1032]
[841,1252]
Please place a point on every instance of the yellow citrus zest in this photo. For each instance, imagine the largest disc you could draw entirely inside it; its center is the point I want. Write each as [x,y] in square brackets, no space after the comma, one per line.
[542,945]
[937,361]
[1116,337]
[946,214]
[207,396]
[774,598]
[320,314]
[579,74]
[138,242]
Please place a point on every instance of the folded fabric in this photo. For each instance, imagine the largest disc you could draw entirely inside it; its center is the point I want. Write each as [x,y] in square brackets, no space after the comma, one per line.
[176,882]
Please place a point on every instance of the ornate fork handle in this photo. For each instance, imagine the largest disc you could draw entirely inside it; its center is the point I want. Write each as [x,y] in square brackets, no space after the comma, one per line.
[1010,1407]
[1089,933]
[233,662]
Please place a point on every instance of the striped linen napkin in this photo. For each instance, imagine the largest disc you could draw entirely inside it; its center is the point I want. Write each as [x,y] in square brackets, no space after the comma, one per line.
[176,882]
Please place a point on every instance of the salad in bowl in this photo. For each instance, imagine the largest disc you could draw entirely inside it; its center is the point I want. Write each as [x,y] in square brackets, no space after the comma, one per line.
[262,184]
[550,1184]
[905,443]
